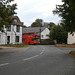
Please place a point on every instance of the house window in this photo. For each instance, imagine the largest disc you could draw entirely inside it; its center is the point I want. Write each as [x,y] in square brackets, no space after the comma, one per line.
[42,36]
[17,28]
[17,38]
[15,20]
[72,34]
[47,35]
[9,28]
[8,39]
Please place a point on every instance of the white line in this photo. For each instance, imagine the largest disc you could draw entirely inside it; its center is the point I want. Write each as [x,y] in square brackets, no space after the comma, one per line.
[4,64]
[42,52]
[31,57]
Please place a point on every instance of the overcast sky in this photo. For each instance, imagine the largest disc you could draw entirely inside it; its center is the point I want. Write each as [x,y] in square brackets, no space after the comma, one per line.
[30,10]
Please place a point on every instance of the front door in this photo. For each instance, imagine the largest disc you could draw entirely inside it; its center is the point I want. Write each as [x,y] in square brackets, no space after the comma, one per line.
[8,39]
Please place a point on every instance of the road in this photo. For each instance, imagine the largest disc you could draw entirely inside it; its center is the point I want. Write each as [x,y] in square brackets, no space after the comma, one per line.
[36,60]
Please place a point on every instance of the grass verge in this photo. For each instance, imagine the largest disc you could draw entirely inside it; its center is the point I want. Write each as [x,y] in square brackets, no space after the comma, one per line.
[72,53]
[17,45]
[0,48]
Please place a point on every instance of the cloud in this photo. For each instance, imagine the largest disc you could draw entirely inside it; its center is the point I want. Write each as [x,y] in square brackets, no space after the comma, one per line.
[29,10]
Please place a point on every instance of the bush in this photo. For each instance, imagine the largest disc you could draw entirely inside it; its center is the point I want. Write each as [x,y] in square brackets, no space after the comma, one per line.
[47,42]
[72,52]
[16,45]
[52,42]
[73,43]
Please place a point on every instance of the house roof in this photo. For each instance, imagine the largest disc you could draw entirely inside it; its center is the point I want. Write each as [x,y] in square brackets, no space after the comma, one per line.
[18,20]
[33,29]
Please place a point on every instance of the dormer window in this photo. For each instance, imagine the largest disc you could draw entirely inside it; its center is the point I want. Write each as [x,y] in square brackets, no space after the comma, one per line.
[15,20]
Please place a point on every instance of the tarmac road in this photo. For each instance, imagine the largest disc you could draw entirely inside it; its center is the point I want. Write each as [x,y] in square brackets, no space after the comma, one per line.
[36,60]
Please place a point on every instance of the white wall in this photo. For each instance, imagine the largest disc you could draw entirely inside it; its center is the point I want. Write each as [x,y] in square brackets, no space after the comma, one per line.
[3,36]
[13,34]
[45,32]
[71,38]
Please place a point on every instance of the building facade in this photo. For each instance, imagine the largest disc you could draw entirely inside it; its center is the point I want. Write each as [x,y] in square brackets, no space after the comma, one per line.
[45,33]
[13,33]
[43,30]
[71,38]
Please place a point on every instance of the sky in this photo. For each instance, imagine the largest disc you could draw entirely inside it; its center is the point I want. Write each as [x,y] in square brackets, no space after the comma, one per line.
[30,10]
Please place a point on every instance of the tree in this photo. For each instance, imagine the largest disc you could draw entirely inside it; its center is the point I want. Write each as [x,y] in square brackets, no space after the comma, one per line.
[67,12]
[37,23]
[6,10]
[58,33]
[51,24]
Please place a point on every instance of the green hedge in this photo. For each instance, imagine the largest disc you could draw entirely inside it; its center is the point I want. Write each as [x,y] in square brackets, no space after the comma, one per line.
[47,42]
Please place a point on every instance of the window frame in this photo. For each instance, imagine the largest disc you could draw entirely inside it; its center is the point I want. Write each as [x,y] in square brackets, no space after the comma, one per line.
[15,20]
[17,28]
[17,38]
[42,36]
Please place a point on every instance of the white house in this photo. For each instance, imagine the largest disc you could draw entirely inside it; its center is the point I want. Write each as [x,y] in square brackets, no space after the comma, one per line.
[44,31]
[12,34]
[71,38]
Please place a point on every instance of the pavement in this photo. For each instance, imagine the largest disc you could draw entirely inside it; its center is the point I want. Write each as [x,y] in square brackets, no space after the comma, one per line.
[37,60]
[4,47]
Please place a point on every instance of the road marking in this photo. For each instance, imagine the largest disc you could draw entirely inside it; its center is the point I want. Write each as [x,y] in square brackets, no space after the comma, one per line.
[4,64]
[42,52]
[31,57]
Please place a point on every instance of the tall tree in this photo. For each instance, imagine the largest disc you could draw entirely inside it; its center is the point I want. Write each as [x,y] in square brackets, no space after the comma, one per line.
[58,33]
[51,24]
[6,10]
[67,12]
[37,23]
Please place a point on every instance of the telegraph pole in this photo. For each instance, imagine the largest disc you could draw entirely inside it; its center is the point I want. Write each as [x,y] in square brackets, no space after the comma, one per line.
[40,34]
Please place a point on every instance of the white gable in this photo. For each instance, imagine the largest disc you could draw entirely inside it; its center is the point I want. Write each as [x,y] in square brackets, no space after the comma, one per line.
[11,34]
[71,38]
[45,33]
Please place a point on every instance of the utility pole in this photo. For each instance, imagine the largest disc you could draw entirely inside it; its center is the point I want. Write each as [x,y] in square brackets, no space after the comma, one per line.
[40,34]
[41,23]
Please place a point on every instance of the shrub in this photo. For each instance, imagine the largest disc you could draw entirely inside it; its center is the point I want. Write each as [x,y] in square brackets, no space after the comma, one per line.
[47,42]
[52,42]
[73,43]
[72,52]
